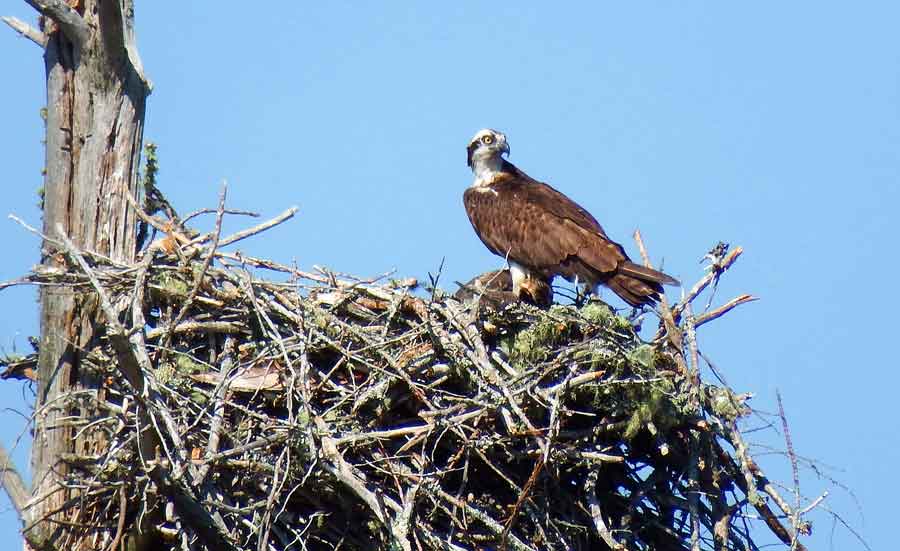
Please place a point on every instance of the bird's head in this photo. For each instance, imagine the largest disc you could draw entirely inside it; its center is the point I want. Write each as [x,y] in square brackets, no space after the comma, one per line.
[486,147]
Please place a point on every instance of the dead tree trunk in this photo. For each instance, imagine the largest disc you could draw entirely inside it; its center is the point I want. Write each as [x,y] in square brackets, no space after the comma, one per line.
[96,93]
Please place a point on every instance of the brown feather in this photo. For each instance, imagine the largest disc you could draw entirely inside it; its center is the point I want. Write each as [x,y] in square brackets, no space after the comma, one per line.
[647,274]
[495,289]
[634,291]
[530,223]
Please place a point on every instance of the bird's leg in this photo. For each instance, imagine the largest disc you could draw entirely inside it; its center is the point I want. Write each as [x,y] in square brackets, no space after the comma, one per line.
[583,292]
[518,275]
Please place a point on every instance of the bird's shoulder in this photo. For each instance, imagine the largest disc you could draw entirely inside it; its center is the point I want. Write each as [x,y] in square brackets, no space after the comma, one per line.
[516,185]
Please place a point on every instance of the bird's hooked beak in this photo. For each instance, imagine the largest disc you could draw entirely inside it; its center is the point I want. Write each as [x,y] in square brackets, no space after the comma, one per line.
[504,149]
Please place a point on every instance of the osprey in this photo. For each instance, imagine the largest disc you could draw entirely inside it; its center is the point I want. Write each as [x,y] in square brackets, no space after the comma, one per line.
[495,290]
[542,233]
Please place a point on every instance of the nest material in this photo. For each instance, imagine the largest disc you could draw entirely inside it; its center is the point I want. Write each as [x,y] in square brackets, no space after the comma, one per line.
[327,412]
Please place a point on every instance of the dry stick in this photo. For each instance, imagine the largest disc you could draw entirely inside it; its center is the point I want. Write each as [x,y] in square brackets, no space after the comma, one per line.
[13,483]
[167,229]
[271,265]
[224,327]
[716,271]
[815,503]
[724,309]
[744,475]
[340,469]
[240,450]
[672,330]
[120,526]
[243,234]
[694,490]
[277,485]
[198,278]
[403,522]
[690,334]
[590,490]
[526,490]
[721,517]
[236,212]
[215,427]
[482,517]
[49,271]
[795,517]
[26,30]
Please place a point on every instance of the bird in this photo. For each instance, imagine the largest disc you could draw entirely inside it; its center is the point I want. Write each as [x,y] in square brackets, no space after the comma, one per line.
[495,290]
[541,233]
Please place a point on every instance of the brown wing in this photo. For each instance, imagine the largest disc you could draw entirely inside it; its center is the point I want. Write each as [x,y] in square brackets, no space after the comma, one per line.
[532,224]
[538,227]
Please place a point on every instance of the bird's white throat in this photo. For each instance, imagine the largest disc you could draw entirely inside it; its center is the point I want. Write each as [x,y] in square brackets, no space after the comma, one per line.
[485,169]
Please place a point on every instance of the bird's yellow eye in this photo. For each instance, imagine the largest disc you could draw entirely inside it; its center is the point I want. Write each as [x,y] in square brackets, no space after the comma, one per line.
[487,140]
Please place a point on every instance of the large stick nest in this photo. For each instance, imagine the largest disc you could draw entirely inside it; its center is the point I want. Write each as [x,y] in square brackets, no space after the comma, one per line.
[328,412]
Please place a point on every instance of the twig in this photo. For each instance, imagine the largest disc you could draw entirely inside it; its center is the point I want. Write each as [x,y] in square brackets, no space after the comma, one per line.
[243,234]
[13,483]
[215,428]
[483,518]
[120,525]
[694,489]
[795,471]
[715,272]
[815,503]
[672,330]
[198,277]
[526,491]
[224,327]
[724,309]
[272,265]
[590,490]
[26,30]
[237,212]
[265,441]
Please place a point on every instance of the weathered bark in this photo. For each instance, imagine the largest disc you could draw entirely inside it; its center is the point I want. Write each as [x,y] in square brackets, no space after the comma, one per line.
[96,94]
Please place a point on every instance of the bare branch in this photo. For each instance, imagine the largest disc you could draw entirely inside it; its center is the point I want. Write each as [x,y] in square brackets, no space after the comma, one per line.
[724,309]
[198,278]
[70,22]
[26,30]
[13,483]
[243,234]
[600,526]
[715,271]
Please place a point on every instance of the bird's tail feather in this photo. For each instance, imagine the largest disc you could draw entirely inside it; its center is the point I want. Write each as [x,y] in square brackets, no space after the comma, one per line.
[646,274]
[635,291]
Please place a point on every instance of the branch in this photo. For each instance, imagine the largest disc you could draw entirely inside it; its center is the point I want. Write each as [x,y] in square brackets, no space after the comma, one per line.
[70,22]
[26,30]
[12,482]
[672,331]
[717,269]
[590,490]
[243,234]
[198,278]
[724,309]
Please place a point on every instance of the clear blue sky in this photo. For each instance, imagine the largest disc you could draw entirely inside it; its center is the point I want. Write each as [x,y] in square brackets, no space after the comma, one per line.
[771,125]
